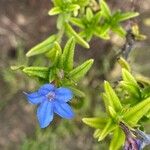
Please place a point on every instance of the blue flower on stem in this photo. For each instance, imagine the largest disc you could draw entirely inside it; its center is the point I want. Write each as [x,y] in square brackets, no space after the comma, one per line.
[51,100]
[135,139]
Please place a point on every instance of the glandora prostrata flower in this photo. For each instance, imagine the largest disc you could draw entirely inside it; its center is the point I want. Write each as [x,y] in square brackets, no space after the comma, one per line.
[50,100]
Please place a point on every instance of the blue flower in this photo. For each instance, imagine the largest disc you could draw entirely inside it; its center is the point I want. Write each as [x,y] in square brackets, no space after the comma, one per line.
[144,138]
[132,143]
[51,100]
[135,139]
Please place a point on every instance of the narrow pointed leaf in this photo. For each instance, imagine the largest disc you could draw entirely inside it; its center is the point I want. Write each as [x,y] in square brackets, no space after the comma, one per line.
[81,41]
[113,99]
[54,11]
[128,77]
[126,16]
[106,101]
[68,55]
[119,30]
[73,7]
[43,47]
[134,114]
[52,74]
[21,67]
[58,2]
[143,80]
[89,14]
[77,92]
[77,73]
[95,122]
[103,31]
[77,22]
[112,112]
[41,72]
[117,140]
[110,126]
[97,133]
[124,64]
[130,88]
[105,9]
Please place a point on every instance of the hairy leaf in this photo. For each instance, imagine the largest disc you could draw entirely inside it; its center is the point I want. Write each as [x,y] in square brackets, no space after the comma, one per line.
[77,73]
[43,47]
[95,122]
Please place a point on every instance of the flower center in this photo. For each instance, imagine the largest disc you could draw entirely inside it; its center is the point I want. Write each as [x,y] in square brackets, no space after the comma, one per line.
[50,96]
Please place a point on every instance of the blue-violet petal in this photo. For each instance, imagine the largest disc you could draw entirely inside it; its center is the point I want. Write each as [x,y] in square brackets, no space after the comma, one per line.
[63,110]
[63,94]
[45,114]
[35,98]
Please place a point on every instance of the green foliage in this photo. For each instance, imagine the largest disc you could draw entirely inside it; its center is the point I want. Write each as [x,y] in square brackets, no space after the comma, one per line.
[124,64]
[43,47]
[100,23]
[77,73]
[120,111]
[127,102]
[61,68]
[68,54]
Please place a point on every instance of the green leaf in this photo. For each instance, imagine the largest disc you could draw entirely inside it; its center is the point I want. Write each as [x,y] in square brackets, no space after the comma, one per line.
[124,64]
[112,112]
[77,73]
[119,30]
[73,7]
[54,11]
[41,72]
[77,22]
[103,31]
[109,127]
[95,122]
[97,17]
[137,34]
[126,75]
[77,37]
[68,55]
[17,67]
[143,80]
[52,74]
[117,140]
[113,99]
[58,2]
[106,101]
[77,92]
[54,54]
[146,92]
[126,16]
[43,47]
[97,133]
[89,14]
[82,3]
[134,114]
[132,89]
[105,9]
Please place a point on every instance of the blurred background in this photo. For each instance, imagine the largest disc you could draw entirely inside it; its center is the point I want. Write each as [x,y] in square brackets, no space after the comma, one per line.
[24,23]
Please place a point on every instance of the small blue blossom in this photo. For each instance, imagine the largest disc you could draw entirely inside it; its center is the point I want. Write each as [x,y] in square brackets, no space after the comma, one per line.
[135,139]
[132,143]
[144,138]
[51,100]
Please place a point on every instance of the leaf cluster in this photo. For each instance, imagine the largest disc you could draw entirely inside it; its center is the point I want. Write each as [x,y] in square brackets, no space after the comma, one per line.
[130,107]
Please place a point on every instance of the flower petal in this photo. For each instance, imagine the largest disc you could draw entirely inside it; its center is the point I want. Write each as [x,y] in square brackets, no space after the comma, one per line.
[45,89]
[63,110]
[34,98]
[45,114]
[63,94]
